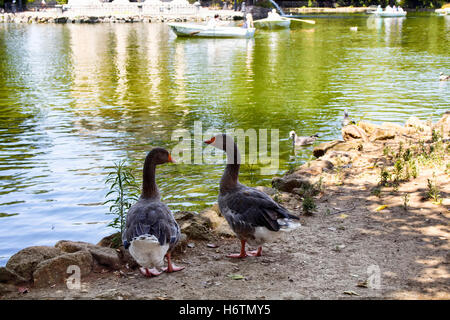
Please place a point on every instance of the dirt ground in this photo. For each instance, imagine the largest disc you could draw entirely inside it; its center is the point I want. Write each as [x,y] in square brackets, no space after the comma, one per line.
[345,250]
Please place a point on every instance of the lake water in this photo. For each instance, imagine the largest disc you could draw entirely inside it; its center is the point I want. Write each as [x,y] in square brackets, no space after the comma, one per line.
[76,98]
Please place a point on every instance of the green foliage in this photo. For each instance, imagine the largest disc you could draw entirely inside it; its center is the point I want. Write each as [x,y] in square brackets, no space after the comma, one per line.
[265,4]
[123,192]
[376,192]
[433,191]
[308,205]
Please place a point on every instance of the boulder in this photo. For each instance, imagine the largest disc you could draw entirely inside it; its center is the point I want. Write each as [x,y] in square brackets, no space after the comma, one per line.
[397,128]
[104,256]
[383,134]
[10,277]
[214,215]
[218,223]
[368,127]
[53,271]
[25,261]
[340,158]
[290,182]
[443,124]
[7,288]
[418,124]
[315,167]
[195,226]
[352,131]
[111,241]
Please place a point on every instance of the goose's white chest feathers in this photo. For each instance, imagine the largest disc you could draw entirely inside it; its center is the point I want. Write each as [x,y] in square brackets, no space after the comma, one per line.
[147,251]
[263,235]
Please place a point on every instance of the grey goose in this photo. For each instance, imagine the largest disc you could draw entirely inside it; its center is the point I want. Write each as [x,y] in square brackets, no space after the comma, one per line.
[151,231]
[253,215]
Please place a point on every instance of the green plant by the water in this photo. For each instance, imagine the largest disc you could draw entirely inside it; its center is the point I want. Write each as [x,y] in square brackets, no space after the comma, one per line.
[123,193]
[308,205]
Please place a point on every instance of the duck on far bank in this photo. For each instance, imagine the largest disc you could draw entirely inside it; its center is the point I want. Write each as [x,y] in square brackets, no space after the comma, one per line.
[253,215]
[302,141]
[443,77]
[151,231]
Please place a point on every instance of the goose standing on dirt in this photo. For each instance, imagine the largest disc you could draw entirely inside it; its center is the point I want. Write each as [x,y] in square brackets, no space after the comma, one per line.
[302,141]
[346,121]
[443,77]
[252,215]
[151,231]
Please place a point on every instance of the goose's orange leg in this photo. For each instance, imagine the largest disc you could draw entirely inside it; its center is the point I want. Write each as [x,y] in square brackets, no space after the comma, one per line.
[255,253]
[171,267]
[243,254]
[149,272]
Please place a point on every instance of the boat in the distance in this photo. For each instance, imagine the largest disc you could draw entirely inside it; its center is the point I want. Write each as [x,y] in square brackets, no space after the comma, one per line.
[267,23]
[443,11]
[206,31]
[273,21]
[388,12]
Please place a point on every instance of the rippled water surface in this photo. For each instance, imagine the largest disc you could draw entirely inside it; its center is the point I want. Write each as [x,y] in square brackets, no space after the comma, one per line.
[76,98]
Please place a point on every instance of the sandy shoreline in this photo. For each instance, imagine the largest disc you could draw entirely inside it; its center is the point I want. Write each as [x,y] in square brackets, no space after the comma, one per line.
[371,235]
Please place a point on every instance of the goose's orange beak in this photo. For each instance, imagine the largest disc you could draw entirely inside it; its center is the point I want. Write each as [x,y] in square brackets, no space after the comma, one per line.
[210,140]
[170,159]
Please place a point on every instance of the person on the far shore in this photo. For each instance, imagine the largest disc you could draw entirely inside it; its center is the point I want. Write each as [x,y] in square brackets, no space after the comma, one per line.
[43,4]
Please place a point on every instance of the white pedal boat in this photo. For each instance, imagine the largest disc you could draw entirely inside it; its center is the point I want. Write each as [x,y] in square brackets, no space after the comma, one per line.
[269,23]
[199,30]
[390,14]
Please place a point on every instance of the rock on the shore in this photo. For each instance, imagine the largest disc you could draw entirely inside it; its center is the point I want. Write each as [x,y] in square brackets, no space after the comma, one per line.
[352,131]
[10,277]
[109,241]
[418,124]
[195,226]
[102,255]
[7,288]
[25,261]
[290,182]
[218,223]
[383,134]
[314,167]
[322,148]
[444,124]
[337,145]
[53,271]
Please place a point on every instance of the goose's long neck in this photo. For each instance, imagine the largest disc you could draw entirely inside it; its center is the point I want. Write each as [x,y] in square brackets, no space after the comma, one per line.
[149,187]
[230,176]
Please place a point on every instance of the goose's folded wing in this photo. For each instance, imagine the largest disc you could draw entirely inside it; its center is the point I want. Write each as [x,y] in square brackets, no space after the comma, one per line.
[251,206]
[156,221]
